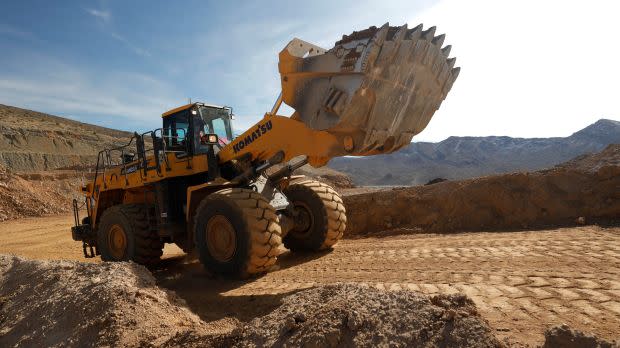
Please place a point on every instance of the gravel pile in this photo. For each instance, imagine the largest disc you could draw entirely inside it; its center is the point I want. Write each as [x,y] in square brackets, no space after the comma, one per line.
[66,303]
[355,315]
[565,337]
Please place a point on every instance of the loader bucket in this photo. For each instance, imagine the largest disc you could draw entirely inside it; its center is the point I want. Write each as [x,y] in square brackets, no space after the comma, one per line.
[375,89]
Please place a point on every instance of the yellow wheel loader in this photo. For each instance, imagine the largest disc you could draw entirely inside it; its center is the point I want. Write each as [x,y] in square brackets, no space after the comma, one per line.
[195,184]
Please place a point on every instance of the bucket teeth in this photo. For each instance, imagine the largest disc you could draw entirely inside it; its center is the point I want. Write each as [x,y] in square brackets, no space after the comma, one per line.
[438,40]
[400,33]
[446,50]
[414,33]
[381,34]
[455,73]
[428,34]
[380,86]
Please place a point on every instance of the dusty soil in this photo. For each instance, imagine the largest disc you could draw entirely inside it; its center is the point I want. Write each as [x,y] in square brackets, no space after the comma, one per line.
[68,303]
[47,238]
[587,187]
[523,283]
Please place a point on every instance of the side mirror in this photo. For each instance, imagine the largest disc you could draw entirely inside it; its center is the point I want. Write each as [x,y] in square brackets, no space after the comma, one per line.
[209,139]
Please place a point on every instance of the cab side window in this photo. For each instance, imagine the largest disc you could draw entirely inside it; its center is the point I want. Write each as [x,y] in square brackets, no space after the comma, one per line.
[175,131]
[219,128]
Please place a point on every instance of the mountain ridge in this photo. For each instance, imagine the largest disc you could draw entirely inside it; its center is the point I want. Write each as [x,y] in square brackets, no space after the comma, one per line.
[457,158]
[35,141]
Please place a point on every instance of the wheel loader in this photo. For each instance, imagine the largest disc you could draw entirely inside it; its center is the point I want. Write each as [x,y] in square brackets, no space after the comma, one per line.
[235,199]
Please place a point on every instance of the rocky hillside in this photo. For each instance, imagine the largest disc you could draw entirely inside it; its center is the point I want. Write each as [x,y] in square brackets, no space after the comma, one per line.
[466,157]
[33,141]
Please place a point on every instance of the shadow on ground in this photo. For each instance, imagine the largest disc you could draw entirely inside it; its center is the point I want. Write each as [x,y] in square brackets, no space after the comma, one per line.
[208,295]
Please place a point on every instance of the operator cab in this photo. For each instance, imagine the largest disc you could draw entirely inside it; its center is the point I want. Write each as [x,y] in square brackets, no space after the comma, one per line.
[190,128]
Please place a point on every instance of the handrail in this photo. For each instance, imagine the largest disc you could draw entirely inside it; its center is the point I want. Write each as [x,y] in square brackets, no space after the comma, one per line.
[105,162]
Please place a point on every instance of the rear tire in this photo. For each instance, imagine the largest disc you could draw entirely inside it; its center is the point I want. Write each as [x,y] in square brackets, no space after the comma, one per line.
[237,233]
[124,235]
[321,218]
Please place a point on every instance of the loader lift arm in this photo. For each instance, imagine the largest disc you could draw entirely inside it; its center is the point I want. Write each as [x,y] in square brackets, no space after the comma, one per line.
[369,94]
[274,134]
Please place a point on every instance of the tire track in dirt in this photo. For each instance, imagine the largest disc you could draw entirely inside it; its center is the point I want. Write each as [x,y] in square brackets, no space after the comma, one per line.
[522,282]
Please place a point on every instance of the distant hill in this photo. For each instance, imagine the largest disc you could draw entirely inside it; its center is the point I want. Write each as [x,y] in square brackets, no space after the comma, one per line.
[466,157]
[34,141]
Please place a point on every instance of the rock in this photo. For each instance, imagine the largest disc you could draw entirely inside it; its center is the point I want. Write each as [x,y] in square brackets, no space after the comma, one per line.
[563,336]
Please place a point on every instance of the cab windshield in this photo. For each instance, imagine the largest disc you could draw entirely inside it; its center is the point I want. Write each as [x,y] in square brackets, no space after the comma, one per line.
[216,120]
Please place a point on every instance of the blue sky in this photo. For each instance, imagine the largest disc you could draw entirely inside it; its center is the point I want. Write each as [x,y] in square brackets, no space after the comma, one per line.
[529,68]
[122,63]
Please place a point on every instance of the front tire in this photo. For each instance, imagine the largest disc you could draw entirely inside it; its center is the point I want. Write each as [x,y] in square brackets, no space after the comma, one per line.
[124,235]
[320,216]
[237,233]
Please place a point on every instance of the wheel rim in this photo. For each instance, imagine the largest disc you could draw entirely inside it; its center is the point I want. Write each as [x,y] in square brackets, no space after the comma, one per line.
[304,221]
[221,238]
[117,242]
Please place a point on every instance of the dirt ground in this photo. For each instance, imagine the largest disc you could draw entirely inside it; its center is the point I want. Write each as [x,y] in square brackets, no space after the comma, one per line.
[46,303]
[522,282]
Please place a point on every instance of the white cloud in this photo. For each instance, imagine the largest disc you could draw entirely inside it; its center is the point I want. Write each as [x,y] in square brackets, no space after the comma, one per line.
[8,30]
[528,68]
[103,15]
[137,50]
[123,99]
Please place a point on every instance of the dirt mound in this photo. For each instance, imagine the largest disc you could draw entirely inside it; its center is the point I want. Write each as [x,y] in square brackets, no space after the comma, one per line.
[36,194]
[354,315]
[65,303]
[563,336]
[592,163]
[58,303]
[586,187]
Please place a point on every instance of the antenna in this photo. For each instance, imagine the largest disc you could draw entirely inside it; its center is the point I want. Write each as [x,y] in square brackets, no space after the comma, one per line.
[190,100]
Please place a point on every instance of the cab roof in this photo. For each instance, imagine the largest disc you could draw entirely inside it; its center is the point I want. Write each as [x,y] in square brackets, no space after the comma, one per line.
[188,106]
